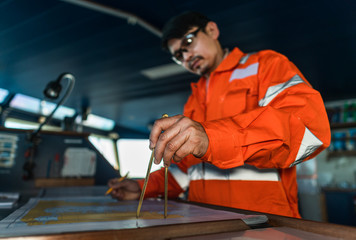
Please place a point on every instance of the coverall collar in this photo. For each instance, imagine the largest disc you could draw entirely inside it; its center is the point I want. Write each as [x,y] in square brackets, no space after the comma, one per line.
[230,61]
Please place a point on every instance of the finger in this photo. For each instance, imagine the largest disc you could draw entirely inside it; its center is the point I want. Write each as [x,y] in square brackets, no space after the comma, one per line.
[129,185]
[184,128]
[176,158]
[126,193]
[171,130]
[166,138]
[112,182]
[182,152]
[159,126]
[117,185]
[118,194]
[172,149]
[191,140]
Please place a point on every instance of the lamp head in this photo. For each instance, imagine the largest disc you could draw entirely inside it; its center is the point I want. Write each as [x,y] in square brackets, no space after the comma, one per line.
[53,89]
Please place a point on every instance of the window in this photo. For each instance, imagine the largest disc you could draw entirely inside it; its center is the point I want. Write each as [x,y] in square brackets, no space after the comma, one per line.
[26,103]
[22,124]
[61,112]
[106,147]
[134,155]
[95,121]
[3,94]
[37,106]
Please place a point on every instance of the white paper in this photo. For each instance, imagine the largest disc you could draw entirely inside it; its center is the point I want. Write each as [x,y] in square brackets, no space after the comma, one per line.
[79,162]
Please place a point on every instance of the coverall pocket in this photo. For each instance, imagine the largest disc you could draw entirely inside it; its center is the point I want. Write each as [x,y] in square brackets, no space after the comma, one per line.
[234,102]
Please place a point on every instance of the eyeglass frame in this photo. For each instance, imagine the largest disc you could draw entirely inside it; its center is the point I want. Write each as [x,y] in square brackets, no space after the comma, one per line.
[190,35]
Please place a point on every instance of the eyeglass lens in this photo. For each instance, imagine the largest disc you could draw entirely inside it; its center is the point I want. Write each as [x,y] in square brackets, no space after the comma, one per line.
[186,42]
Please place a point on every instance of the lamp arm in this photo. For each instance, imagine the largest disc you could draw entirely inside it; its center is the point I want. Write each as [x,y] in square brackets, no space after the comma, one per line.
[70,86]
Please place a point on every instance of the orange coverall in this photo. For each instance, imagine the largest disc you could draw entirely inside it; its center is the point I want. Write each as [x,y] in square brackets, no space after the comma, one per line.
[262,118]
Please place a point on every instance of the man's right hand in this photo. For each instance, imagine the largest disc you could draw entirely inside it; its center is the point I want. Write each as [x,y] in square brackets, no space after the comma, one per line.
[128,189]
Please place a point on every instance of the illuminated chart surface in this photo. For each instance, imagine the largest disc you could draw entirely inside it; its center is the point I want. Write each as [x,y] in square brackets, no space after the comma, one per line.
[73,214]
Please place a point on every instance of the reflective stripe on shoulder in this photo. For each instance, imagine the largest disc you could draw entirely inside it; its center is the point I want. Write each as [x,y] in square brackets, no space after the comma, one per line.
[181,177]
[243,60]
[309,144]
[273,91]
[240,73]
[247,172]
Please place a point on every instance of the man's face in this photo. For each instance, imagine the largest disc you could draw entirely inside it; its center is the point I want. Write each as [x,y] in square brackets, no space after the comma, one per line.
[196,51]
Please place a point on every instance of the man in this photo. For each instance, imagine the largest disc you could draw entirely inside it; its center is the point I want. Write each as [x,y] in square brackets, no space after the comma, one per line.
[249,120]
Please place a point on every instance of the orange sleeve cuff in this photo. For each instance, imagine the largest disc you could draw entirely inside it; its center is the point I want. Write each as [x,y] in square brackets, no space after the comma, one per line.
[141,182]
[155,185]
[223,151]
[207,156]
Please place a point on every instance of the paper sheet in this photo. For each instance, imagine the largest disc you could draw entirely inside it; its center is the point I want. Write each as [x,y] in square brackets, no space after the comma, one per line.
[79,162]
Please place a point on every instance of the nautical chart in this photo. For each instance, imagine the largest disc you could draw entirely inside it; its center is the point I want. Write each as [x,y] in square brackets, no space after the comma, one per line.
[73,214]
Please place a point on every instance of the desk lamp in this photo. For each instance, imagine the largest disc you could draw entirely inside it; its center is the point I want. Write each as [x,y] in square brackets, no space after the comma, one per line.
[52,91]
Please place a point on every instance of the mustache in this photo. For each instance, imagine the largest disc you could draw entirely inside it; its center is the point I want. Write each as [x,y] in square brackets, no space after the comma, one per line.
[191,61]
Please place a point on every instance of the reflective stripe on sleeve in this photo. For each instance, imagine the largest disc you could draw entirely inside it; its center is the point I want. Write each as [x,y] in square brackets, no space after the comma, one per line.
[309,144]
[208,171]
[241,73]
[181,177]
[273,91]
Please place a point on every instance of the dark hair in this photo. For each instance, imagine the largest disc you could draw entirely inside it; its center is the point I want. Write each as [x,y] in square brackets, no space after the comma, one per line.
[179,25]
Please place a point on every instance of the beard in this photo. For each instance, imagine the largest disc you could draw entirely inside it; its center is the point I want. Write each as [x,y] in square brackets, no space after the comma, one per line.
[201,70]
[204,71]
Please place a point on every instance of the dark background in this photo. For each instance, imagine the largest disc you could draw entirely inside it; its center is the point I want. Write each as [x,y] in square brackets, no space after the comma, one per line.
[40,39]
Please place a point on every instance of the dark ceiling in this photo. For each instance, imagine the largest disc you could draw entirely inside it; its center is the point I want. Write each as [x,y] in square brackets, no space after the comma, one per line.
[40,39]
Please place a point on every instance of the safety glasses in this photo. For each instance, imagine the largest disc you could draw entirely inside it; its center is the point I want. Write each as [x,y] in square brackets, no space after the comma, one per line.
[187,43]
